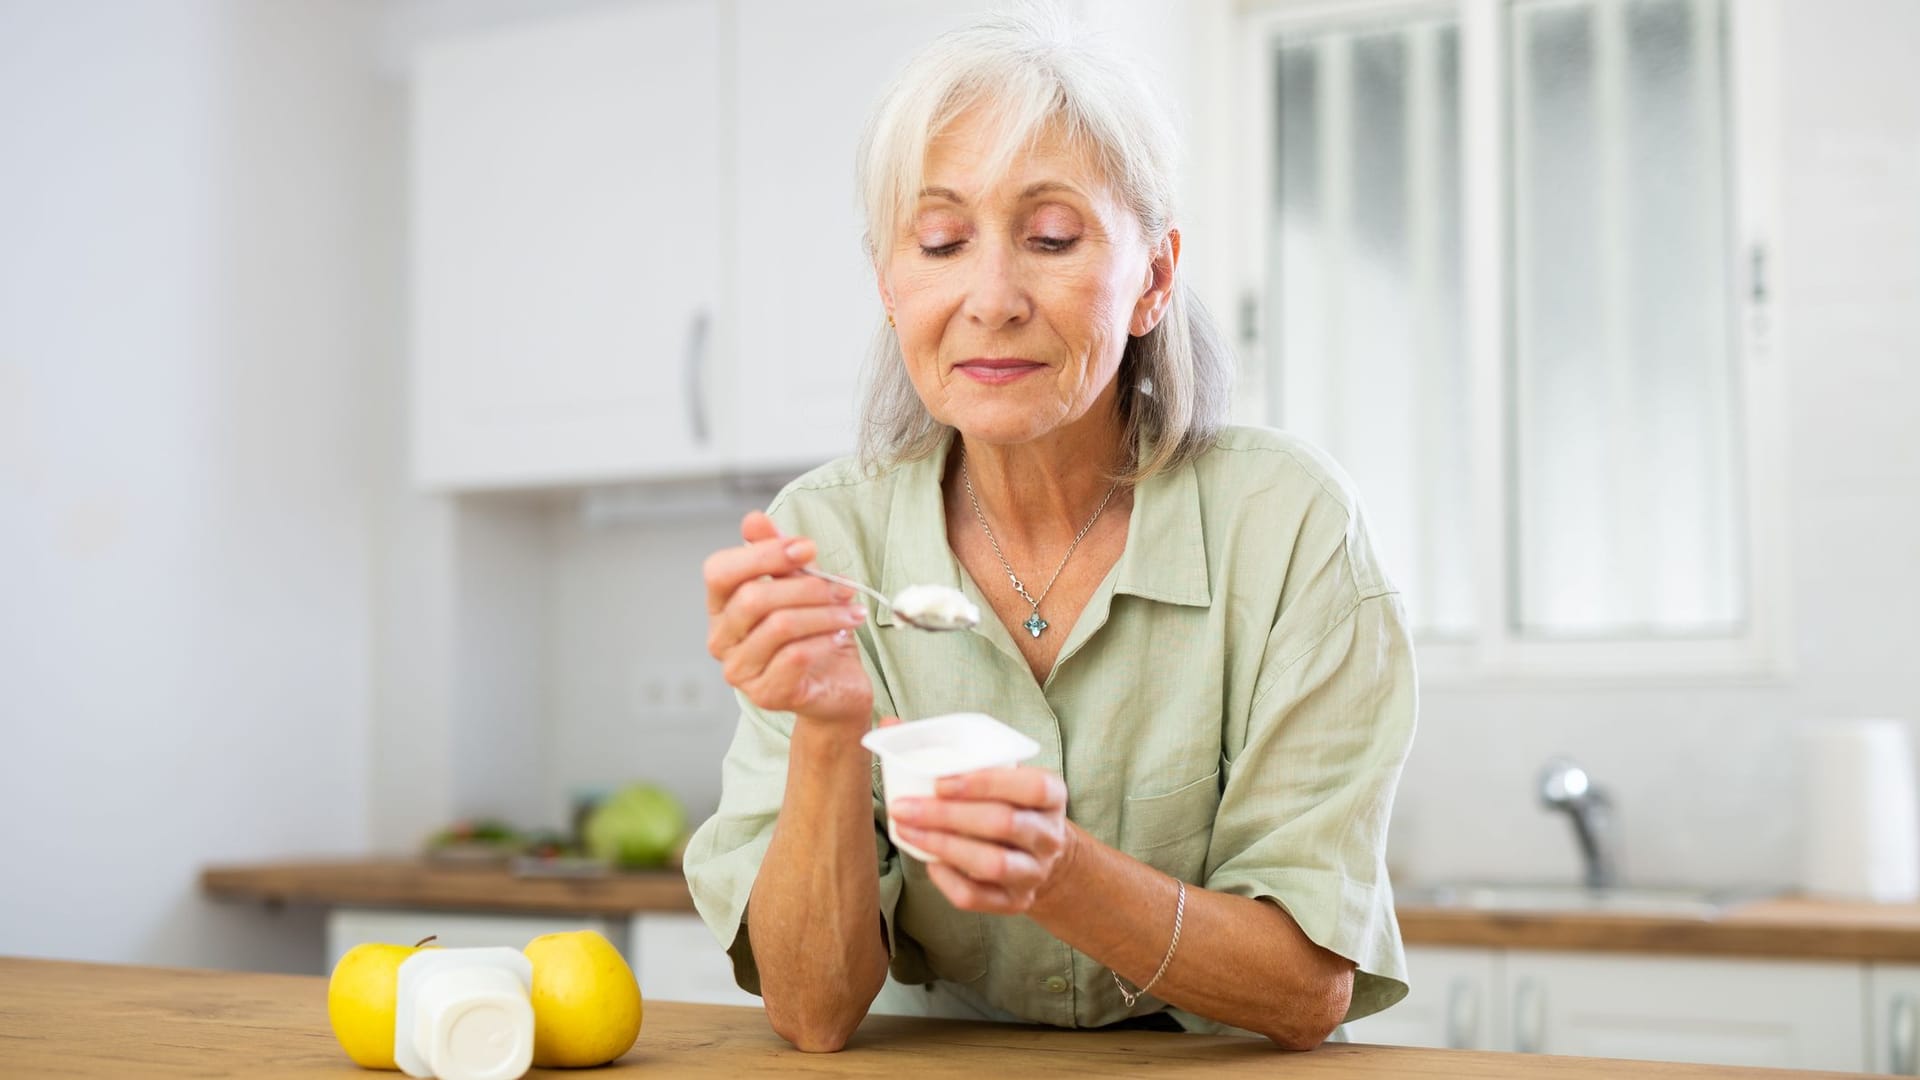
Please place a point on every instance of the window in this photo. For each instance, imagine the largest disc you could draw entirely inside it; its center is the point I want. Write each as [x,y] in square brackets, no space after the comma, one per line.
[1363,278]
[1508,279]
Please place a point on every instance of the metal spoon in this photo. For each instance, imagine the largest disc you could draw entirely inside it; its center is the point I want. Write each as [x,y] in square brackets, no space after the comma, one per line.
[923,622]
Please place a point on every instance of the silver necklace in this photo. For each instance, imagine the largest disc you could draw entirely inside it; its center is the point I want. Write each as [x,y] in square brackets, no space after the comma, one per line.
[1034,622]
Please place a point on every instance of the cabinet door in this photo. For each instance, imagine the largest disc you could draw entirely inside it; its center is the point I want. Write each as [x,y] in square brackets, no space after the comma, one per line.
[1707,1011]
[565,215]
[806,303]
[1893,1019]
[1454,1003]
[347,927]
[680,961]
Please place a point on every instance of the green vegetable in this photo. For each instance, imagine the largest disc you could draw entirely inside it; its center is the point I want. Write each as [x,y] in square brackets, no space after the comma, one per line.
[638,826]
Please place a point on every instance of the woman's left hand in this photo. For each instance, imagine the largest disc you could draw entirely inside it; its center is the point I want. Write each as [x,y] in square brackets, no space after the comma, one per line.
[1001,835]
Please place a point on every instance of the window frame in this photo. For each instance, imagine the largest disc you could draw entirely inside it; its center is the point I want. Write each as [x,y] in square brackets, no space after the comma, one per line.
[1495,653]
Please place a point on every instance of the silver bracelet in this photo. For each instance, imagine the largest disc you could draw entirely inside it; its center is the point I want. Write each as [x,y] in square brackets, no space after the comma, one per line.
[1179,916]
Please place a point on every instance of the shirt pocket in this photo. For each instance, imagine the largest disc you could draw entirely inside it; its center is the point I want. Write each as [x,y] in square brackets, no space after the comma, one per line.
[1170,832]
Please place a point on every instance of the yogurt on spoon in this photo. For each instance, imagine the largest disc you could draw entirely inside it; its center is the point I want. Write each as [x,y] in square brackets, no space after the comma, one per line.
[927,607]
[936,607]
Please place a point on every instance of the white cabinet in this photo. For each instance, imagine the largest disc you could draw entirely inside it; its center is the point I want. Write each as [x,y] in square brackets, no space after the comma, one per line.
[596,295]
[635,247]
[806,76]
[1778,1013]
[678,960]
[565,212]
[1893,1019]
[347,927]
[1456,1002]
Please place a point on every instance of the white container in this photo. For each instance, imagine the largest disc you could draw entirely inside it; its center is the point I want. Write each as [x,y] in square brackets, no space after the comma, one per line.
[465,1014]
[1862,839]
[916,754]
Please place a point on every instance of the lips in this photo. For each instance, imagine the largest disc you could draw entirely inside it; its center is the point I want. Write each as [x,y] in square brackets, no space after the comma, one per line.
[997,370]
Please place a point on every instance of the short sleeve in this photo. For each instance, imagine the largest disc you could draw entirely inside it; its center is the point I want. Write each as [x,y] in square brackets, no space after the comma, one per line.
[1304,806]
[723,857]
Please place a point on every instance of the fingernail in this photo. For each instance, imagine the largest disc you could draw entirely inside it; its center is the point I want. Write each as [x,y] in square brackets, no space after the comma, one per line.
[856,614]
[841,594]
[906,808]
[797,551]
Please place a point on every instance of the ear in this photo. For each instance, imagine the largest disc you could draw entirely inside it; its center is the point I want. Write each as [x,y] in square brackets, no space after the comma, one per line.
[1152,305]
[886,293]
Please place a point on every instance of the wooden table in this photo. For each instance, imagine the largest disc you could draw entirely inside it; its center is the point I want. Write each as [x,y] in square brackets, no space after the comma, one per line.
[88,1020]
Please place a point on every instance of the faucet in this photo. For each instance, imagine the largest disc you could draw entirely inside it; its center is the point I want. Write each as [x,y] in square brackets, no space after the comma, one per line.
[1566,786]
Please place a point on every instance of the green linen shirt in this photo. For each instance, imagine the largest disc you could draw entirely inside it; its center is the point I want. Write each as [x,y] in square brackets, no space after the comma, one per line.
[1233,707]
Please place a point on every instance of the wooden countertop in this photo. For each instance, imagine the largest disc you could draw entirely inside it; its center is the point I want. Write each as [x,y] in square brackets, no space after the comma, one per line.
[1788,928]
[1791,928]
[416,883]
[92,1020]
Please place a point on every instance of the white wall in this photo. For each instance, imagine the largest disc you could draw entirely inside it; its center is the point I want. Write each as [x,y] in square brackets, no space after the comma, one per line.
[529,655]
[188,321]
[633,693]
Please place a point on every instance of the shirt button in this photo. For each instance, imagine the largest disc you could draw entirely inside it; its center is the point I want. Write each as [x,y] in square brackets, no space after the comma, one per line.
[1056,984]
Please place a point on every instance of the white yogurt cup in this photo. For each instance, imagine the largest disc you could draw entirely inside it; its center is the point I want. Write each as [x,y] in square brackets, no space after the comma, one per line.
[464,1014]
[915,755]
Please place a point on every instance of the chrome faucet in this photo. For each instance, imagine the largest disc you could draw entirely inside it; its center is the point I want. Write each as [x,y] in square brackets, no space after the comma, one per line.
[1566,786]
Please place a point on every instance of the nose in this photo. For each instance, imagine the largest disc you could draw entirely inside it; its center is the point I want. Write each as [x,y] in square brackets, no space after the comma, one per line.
[995,294]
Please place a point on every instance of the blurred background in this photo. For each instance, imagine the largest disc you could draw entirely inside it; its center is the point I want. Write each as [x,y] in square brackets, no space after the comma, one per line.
[374,375]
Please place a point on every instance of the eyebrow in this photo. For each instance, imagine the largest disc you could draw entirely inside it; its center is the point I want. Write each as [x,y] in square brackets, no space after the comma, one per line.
[1040,188]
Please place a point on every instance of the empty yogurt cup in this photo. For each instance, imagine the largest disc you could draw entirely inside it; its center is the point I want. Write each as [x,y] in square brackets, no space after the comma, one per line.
[464,1014]
[915,755]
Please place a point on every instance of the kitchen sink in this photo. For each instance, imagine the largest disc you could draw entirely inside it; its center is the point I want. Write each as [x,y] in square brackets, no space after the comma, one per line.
[1680,903]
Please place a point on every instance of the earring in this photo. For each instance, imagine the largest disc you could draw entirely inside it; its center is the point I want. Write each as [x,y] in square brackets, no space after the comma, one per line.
[889,318]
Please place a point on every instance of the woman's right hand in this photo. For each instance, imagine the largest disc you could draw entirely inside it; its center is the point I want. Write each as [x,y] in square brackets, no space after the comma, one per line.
[785,639]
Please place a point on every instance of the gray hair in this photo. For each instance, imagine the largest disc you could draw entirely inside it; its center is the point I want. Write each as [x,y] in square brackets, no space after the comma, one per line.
[1034,71]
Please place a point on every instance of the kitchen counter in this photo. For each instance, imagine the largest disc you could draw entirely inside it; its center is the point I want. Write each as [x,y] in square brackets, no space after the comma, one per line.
[62,1019]
[1789,928]
[1785,928]
[419,883]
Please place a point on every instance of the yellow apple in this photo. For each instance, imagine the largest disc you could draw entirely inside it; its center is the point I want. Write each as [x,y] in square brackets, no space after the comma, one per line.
[361,999]
[586,1004]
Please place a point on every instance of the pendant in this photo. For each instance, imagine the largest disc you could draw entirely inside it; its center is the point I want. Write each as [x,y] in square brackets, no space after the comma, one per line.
[1035,623]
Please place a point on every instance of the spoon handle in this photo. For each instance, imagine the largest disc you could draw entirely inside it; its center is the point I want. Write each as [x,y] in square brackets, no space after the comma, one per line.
[849,583]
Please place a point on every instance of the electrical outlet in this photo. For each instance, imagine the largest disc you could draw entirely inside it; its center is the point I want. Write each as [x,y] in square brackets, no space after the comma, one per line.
[664,692]
[651,692]
[693,693]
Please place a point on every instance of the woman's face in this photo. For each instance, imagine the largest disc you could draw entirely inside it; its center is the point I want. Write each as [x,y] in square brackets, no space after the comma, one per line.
[1014,296]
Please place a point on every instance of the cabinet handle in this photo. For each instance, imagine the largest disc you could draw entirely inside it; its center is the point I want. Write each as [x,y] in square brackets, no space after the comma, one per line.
[696,385]
[1902,1058]
[1759,296]
[1463,1015]
[1529,1017]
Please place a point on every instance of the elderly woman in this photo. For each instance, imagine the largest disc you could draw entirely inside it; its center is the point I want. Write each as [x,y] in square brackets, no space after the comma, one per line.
[1187,617]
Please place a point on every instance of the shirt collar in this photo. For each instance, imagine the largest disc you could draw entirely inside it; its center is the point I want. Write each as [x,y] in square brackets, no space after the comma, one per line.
[917,551]
[1166,555]
[1165,558]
